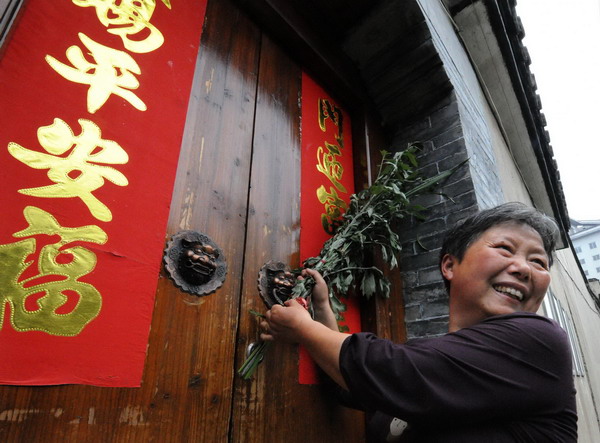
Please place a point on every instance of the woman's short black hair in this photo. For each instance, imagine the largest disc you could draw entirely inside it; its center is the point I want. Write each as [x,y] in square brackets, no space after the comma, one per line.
[465,232]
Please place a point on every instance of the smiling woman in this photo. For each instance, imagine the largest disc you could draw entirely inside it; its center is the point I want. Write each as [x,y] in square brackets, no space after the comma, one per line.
[504,271]
[502,373]
[497,262]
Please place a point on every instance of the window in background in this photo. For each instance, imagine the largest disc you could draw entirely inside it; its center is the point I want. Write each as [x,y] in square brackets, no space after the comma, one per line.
[554,310]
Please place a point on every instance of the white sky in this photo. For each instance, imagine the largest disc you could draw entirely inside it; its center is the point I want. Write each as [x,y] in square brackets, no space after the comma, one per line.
[563,39]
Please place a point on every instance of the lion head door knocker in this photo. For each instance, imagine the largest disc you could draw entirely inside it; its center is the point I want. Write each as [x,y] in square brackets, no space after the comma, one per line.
[275,283]
[195,263]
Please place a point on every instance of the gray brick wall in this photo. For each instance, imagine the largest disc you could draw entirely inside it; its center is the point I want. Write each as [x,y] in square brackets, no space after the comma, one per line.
[452,130]
[482,160]
[442,134]
[425,90]
[472,104]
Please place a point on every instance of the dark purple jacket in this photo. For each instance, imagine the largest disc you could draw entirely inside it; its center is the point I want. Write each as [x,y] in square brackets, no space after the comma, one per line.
[506,379]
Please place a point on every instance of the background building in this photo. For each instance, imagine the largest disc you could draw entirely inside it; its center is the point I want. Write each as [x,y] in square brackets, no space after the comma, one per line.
[585,236]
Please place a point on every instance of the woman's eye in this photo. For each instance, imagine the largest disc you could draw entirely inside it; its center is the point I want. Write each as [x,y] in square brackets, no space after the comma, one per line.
[540,262]
[505,247]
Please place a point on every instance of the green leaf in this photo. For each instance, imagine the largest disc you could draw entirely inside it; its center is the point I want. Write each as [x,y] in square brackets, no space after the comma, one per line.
[393,261]
[376,189]
[367,285]
[337,304]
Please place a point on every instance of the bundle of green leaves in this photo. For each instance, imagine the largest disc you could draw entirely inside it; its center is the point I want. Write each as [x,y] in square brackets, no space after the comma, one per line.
[367,227]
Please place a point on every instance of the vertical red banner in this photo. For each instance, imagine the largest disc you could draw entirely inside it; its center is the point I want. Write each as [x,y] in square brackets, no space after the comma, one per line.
[327,182]
[93,101]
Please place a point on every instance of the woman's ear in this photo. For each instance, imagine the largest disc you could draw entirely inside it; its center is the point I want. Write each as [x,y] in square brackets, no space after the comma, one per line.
[447,266]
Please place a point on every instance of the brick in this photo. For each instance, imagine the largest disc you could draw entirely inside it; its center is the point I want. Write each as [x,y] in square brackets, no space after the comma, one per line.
[427,328]
[426,227]
[412,312]
[459,202]
[435,309]
[459,187]
[446,116]
[452,148]
[423,294]
[420,261]
[456,216]
[418,131]
[463,172]
[427,170]
[410,279]
[449,162]
[414,297]
[428,200]
[428,242]
[438,210]
[429,275]
[452,134]
[408,247]
[427,147]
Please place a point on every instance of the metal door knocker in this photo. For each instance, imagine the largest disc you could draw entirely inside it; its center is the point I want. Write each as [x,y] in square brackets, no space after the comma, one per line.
[275,283]
[195,263]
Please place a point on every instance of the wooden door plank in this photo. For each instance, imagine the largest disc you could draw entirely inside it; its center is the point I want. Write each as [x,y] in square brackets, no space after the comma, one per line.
[273,406]
[384,317]
[186,393]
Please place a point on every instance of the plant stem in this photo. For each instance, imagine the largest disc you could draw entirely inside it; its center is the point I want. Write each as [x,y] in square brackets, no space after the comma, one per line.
[247,370]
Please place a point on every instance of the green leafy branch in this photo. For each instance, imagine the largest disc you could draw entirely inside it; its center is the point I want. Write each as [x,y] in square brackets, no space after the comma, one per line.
[367,226]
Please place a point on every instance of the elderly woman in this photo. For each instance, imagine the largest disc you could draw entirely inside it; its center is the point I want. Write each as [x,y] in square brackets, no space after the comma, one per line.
[501,374]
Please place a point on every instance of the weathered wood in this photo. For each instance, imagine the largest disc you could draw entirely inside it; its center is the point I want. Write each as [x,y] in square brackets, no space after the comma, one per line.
[186,393]
[273,406]
[384,317]
[212,198]
[304,32]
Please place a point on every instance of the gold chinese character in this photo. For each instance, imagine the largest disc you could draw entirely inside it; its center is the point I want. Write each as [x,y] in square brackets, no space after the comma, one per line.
[127,18]
[327,110]
[334,207]
[330,166]
[112,73]
[38,303]
[75,175]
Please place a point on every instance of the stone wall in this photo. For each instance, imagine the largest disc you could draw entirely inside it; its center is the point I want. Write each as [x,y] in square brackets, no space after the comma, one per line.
[443,108]
[442,135]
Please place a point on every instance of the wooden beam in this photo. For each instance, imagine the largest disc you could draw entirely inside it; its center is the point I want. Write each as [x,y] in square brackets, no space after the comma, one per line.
[287,23]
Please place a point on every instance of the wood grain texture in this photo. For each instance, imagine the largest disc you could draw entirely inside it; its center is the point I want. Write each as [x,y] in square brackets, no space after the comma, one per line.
[273,406]
[186,392]
[384,317]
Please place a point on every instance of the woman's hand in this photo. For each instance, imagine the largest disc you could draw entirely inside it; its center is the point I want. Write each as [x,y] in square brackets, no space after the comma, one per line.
[292,323]
[285,322]
[320,292]
[320,300]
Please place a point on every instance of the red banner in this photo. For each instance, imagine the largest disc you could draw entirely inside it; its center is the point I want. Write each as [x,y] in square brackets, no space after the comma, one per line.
[327,182]
[93,100]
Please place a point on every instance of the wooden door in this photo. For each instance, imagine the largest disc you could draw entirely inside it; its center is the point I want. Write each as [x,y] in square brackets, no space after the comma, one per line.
[238,181]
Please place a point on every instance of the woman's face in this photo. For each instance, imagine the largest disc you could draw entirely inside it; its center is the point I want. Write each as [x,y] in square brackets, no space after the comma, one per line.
[504,271]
